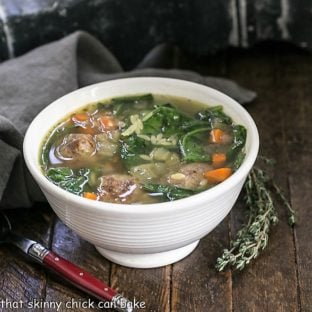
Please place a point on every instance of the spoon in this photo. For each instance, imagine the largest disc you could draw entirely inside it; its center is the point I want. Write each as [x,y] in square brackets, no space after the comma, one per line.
[75,275]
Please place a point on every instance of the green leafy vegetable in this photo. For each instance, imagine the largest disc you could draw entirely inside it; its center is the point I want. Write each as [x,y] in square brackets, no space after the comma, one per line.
[93,177]
[168,191]
[68,180]
[239,139]
[191,145]
[123,106]
[131,149]
[214,115]
[165,119]
[193,124]
[238,160]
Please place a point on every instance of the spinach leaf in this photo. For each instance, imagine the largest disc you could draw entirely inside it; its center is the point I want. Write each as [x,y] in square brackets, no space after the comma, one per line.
[213,115]
[168,191]
[68,180]
[238,160]
[239,140]
[131,149]
[191,145]
[124,105]
[193,124]
[165,119]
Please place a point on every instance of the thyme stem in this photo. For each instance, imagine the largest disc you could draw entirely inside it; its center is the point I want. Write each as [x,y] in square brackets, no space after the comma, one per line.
[291,212]
[261,216]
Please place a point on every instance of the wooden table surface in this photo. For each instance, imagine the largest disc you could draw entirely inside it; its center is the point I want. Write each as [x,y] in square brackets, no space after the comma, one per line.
[279,280]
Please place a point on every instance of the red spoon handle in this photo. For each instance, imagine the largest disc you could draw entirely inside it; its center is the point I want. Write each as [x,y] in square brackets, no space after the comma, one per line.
[79,277]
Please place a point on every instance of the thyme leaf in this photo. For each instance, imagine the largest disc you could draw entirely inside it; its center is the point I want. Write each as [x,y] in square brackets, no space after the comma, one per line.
[253,237]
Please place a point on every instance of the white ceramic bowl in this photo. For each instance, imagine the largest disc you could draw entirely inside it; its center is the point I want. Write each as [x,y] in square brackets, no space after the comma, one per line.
[141,236]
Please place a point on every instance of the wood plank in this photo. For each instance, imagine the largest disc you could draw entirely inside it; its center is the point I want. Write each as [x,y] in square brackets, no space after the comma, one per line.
[295,70]
[196,285]
[69,245]
[155,283]
[300,181]
[149,286]
[269,284]
[21,279]
[283,113]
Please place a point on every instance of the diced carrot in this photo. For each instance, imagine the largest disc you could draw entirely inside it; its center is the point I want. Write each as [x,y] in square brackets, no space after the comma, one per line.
[83,121]
[218,159]
[216,136]
[87,130]
[80,117]
[218,175]
[90,195]
[107,122]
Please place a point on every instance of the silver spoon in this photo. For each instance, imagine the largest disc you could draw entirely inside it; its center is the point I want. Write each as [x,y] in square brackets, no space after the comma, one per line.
[75,275]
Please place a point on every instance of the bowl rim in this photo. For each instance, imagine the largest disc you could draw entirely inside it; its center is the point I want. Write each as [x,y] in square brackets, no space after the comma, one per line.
[144,209]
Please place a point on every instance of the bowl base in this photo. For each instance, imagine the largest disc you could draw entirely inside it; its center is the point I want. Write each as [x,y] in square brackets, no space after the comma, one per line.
[146,261]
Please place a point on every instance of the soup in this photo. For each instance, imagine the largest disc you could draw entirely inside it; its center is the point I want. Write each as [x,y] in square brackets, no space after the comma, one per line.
[143,149]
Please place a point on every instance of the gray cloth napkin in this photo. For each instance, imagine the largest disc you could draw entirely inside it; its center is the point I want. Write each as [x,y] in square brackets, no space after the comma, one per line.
[32,81]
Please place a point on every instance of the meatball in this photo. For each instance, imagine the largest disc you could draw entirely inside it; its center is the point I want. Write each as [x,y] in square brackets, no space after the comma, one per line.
[190,176]
[119,188]
[75,145]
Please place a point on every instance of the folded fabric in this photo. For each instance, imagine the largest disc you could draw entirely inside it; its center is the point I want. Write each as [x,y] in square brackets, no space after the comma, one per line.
[32,81]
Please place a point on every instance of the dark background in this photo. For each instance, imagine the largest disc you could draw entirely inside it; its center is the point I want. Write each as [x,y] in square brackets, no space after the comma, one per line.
[131,28]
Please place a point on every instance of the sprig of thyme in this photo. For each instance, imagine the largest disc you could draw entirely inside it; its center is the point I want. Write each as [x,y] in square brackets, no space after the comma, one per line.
[291,212]
[260,194]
